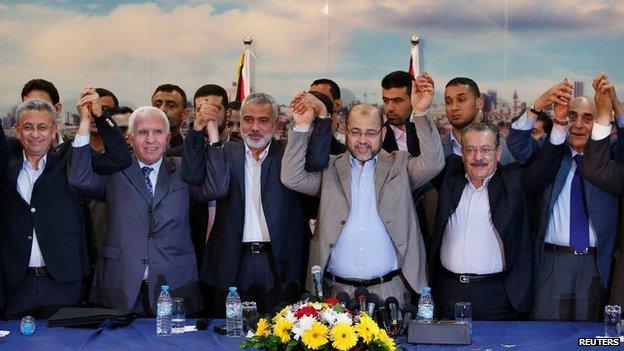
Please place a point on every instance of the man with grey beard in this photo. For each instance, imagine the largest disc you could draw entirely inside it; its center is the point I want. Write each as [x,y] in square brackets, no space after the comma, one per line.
[262,253]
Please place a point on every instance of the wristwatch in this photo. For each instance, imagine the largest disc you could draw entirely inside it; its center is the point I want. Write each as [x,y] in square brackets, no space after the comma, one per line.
[216,144]
[533,110]
[561,123]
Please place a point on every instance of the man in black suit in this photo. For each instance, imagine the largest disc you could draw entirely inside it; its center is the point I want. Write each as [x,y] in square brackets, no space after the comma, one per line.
[256,242]
[481,249]
[44,245]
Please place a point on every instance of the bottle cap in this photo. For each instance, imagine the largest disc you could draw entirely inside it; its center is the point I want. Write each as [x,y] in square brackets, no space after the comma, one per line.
[232,289]
[426,289]
[164,287]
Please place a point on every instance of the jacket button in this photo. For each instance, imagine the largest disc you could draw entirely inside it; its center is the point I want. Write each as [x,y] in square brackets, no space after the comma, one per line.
[144,261]
[33,210]
[342,222]
[151,237]
[29,238]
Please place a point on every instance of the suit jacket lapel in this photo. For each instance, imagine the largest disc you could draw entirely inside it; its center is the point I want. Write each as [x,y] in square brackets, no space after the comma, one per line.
[51,161]
[384,163]
[266,166]
[459,183]
[135,176]
[389,143]
[343,168]
[238,164]
[164,180]
[495,188]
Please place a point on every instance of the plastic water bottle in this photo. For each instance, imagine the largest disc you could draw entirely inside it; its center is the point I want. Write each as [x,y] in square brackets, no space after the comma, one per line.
[234,313]
[27,325]
[163,314]
[425,306]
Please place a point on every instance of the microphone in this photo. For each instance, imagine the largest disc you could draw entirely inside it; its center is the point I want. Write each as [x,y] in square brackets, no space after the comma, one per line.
[409,312]
[344,299]
[382,318]
[361,295]
[373,301]
[392,304]
[317,276]
[201,324]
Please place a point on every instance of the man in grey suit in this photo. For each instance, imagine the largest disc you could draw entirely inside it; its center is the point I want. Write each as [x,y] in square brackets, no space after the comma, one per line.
[148,241]
[367,233]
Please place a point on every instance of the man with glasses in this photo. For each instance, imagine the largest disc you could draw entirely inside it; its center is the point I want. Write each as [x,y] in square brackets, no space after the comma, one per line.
[367,233]
[576,222]
[481,248]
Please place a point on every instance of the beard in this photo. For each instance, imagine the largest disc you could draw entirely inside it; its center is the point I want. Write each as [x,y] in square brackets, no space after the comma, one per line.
[256,144]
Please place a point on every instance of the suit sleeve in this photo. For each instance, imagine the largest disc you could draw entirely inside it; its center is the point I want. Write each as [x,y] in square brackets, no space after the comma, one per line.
[431,159]
[319,145]
[294,176]
[116,156]
[193,158]
[82,177]
[205,166]
[521,145]
[617,149]
[544,167]
[4,155]
[601,170]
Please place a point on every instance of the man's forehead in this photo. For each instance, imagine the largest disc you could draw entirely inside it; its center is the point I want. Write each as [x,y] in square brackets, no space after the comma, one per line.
[582,104]
[456,90]
[479,138]
[167,96]
[41,94]
[394,92]
[36,117]
[151,121]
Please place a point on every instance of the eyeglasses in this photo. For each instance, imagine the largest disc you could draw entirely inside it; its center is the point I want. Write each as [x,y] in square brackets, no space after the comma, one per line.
[369,134]
[28,128]
[486,150]
[573,117]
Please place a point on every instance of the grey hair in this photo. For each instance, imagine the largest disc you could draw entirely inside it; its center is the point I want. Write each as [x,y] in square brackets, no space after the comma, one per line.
[481,127]
[261,99]
[35,105]
[146,111]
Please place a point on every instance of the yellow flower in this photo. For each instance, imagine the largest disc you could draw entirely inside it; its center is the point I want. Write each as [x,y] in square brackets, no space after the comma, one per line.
[366,328]
[316,336]
[263,328]
[344,337]
[385,340]
[282,330]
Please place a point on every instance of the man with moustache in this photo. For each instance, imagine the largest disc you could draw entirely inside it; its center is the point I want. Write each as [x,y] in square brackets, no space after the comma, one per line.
[367,232]
[481,248]
[171,99]
[463,102]
[232,129]
[257,239]
[576,221]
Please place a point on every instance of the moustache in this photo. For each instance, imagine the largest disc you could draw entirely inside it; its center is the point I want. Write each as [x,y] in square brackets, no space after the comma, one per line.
[479,163]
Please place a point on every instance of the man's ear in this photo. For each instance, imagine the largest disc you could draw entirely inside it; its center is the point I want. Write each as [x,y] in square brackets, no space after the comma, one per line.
[480,103]
[59,107]
[337,105]
[384,128]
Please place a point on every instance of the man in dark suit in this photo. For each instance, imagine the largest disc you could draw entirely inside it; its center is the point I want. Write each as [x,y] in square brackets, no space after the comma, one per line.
[481,248]
[148,241]
[576,222]
[44,252]
[257,239]
[607,173]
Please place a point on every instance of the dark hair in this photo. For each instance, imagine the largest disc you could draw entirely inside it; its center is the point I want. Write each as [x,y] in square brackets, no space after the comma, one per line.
[41,84]
[465,81]
[481,127]
[120,110]
[334,89]
[169,88]
[105,92]
[234,105]
[398,79]
[325,100]
[546,122]
[212,90]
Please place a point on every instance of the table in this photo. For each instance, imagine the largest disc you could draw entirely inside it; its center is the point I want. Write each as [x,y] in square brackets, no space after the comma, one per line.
[141,335]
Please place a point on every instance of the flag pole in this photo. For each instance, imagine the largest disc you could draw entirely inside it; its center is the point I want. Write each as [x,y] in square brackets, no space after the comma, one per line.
[244,87]
[414,66]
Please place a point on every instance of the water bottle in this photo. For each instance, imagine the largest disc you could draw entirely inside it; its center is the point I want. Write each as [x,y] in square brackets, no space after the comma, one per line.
[234,313]
[27,325]
[425,306]
[163,314]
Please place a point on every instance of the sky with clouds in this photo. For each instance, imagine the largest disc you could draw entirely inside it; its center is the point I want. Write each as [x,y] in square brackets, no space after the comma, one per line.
[130,47]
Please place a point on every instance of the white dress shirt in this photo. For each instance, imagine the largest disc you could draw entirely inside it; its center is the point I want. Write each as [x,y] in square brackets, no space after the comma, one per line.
[600,131]
[364,249]
[470,243]
[558,232]
[26,179]
[255,228]
[455,144]
[400,137]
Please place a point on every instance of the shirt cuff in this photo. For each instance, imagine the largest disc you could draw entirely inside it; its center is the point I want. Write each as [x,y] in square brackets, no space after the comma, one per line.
[81,140]
[600,131]
[301,130]
[414,115]
[620,121]
[558,134]
[524,122]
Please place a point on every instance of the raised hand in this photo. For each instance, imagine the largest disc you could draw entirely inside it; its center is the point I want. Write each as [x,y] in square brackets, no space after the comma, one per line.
[303,111]
[422,93]
[90,98]
[317,105]
[560,95]
[206,117]
[603,89]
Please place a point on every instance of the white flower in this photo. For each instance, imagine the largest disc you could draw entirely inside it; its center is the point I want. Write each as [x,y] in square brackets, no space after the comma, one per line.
[290,316]
[344,318]
[329,316]
[303,325]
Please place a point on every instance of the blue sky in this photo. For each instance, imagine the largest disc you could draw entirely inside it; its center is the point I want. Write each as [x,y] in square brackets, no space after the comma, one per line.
[131,47]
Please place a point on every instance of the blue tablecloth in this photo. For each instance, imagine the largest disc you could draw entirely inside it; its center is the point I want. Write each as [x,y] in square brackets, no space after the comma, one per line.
[141,335]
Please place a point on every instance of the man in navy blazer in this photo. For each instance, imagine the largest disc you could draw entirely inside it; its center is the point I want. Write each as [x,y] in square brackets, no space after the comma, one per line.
[256,243]
[148,242]
[44,245]
[576,222]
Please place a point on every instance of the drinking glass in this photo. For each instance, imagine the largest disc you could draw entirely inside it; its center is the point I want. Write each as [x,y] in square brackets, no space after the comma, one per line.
[178,316]
[612,314]
[250,316]
[463,313]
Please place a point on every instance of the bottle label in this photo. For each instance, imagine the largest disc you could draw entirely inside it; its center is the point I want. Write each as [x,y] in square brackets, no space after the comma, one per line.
[229,311]
[426,312]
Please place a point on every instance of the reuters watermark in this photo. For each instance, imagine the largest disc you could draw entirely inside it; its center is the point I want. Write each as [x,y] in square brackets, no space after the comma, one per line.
[601,341]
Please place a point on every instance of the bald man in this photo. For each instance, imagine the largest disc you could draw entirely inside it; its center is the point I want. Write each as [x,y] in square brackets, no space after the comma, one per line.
[576,222]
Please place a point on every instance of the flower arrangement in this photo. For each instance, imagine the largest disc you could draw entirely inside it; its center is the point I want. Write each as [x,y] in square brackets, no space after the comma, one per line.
[319,326]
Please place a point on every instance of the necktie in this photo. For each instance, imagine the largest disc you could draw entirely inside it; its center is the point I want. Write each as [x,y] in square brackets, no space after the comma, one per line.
[146,173]
[579,222]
